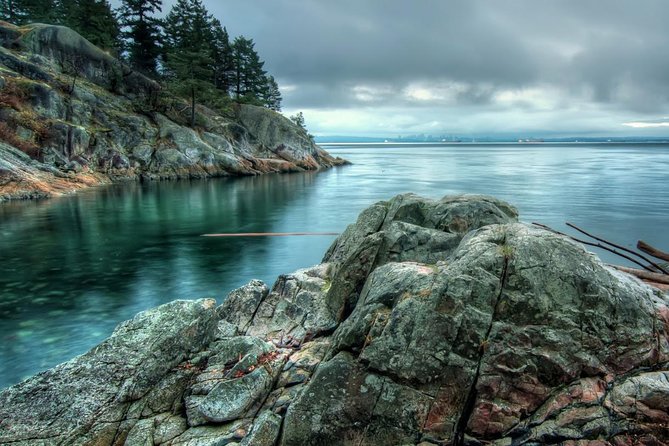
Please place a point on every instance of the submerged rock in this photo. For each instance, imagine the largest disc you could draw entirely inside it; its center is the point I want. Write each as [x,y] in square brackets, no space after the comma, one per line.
[429,322]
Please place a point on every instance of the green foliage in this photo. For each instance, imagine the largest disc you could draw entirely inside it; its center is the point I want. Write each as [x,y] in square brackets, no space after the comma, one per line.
[271,96]
[95,20]
[188,42]
[189,48]
[141,34]
[8,11]
[506,251]
[298,119]
[21,12]
[250,83]
[222,59]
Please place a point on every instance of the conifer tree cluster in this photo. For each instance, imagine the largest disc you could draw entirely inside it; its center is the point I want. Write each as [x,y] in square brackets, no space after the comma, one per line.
[189,49]
[93,19]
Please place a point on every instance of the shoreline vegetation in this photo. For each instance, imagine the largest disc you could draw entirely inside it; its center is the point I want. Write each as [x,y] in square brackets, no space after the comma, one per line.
[429,322]
[73,116]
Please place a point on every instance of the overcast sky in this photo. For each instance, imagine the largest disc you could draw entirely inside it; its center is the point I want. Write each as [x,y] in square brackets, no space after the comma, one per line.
[390,67]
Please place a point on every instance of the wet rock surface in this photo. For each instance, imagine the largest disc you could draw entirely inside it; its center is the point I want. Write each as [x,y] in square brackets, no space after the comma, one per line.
[496,333]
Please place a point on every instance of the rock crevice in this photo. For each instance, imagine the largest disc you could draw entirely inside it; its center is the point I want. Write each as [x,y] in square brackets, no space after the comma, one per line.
[496,333]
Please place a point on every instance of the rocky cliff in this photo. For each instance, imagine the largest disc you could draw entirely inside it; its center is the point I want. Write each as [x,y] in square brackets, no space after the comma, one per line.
[429,322]
[83,118]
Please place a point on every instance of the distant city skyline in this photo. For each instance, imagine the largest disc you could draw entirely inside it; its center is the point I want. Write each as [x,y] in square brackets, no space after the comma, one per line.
[391,67]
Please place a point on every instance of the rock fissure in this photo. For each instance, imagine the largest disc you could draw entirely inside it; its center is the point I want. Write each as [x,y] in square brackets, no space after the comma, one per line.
[478,349]
[470,400]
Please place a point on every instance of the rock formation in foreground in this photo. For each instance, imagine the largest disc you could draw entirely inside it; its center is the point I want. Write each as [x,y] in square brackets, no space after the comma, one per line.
[73,116]
[428,322]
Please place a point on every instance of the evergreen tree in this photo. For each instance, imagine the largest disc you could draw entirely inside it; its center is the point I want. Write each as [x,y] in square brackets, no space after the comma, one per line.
[67,13]
[298,119]
[20,12]
[142,33]
[271,97]
[9,11]
[188,44]
[222,58]
[249,76]
[95,20]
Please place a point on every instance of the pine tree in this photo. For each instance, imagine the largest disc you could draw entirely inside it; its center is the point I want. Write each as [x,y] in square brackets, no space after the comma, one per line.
[9,11]
[67,13]
[298,119]
[188,44]
[21,12]
[222,58]
[249,76]
[142,33]
[271,97]
[95,20]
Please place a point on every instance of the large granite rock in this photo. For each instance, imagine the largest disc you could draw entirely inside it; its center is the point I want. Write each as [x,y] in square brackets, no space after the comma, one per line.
[77,110]
[463,327]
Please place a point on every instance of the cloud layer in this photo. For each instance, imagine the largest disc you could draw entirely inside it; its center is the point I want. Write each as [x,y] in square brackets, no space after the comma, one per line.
[463,66]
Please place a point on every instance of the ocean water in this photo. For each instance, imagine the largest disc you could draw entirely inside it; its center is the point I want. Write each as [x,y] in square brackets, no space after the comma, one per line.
[72,268]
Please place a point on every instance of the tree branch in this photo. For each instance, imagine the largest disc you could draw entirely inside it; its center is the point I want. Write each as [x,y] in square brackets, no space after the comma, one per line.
[646,259]
[596,245]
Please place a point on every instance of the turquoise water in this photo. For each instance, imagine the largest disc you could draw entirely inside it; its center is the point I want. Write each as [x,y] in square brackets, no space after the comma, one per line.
[72,268]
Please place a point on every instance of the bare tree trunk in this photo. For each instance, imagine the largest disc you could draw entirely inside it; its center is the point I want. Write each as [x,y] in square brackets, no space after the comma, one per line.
[645,275]
[645,247]
[192,107]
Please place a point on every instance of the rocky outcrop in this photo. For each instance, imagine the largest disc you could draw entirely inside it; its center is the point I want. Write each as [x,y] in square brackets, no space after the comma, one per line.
[429,322]
[80,114]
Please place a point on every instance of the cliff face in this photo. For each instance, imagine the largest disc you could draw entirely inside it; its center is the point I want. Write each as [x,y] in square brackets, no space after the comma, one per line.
[429,323]
[85,118]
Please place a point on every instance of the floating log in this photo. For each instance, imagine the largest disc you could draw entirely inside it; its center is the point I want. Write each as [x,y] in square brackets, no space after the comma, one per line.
[644,275]
[268,234]
[645,247]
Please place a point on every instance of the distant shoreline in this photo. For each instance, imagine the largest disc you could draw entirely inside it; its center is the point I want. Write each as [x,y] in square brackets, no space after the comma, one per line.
[487,143]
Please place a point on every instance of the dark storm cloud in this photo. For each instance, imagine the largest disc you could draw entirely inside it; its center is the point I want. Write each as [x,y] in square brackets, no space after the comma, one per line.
[615,50]
[564,56]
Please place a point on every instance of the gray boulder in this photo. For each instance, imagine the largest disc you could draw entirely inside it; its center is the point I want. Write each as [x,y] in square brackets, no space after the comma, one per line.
[408,228]
[90,397]
[466,328]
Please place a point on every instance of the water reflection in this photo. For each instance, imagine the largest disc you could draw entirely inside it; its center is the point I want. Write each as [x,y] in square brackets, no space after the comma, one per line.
[72,268]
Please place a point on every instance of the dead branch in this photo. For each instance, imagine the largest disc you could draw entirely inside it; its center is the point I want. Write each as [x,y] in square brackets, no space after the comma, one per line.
[652,277]
[644,258]
[645,247]
[596,245]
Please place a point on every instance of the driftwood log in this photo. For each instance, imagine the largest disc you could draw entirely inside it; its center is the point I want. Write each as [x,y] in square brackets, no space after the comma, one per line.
[645,247]
[645,275]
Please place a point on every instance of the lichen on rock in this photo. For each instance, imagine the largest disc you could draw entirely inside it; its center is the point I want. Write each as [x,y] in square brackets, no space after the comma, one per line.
[496,333]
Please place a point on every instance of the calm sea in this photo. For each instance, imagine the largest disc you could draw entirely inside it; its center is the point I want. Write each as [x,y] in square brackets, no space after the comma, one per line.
[72,268]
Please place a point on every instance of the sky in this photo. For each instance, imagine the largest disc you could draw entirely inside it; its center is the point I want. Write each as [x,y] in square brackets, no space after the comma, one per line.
[537,68]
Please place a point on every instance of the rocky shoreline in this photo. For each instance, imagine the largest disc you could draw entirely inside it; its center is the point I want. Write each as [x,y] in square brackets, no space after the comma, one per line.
[72,116]
[428,322]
